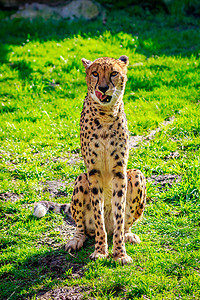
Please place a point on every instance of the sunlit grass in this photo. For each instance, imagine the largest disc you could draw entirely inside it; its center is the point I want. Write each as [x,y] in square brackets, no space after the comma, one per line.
[42,87]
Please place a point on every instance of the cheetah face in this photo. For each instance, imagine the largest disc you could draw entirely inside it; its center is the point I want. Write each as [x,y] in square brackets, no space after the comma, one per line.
[106,79]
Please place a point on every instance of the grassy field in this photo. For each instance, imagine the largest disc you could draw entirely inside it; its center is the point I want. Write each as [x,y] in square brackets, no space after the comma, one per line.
[42,87]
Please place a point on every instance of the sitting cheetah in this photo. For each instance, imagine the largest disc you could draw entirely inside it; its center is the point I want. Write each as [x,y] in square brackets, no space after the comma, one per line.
[81,208]
[108,198]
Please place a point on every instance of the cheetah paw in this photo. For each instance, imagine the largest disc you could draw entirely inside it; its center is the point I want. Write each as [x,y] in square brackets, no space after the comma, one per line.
[74,244]
[132,238]
[124,260]
[95,255]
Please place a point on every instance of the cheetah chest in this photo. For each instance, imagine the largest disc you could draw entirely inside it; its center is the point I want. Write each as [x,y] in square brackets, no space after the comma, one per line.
[108,150]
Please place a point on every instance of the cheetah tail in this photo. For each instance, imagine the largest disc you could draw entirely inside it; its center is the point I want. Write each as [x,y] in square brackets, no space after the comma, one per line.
[41,208]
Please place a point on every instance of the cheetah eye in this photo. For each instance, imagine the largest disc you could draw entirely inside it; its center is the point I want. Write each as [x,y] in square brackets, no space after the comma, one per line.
[113,74]
[95,74]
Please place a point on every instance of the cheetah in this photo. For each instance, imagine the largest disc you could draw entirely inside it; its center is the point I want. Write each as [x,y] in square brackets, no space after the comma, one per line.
[107,199]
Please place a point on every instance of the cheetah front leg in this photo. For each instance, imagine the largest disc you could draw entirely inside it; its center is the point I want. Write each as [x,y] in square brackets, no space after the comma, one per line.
[96,194]
[118,207]
[135,203]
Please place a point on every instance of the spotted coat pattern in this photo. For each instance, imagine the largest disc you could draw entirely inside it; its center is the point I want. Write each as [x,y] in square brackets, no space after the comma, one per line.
[108,198]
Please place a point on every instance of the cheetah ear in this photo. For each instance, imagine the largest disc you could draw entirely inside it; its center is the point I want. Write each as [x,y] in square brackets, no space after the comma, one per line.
[125,60]
[86,63]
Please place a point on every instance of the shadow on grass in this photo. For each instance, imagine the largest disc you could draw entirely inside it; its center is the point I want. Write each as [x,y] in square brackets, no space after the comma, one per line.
[23,68]
[40,274]
[158,35]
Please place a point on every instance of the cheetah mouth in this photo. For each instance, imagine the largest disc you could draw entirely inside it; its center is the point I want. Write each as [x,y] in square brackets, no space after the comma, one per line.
[107,99]
[103,98]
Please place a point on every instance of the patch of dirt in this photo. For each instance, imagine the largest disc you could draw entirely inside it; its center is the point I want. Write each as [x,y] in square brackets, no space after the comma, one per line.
[65,232]
[72,160]
[172,155]
[9,196]
[163,180]
[66,293]
[57,265]
[55,188]
[135,140]
[65,227]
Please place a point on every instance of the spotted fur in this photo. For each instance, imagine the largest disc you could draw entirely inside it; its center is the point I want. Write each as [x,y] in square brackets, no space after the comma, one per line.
[81,209]
[102,202]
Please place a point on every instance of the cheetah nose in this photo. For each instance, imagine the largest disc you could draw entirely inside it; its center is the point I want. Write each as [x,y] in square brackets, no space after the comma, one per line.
[103,89]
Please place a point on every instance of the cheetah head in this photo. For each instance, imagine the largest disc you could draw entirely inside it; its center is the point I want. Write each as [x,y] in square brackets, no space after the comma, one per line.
[106,78]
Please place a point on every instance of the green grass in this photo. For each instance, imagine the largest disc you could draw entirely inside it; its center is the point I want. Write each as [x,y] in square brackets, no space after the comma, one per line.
[42,87]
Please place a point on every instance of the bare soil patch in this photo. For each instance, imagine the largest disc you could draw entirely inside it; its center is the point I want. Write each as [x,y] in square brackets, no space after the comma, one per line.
[66,293]
[164,180]
[75,158]
[64,231]
[9,196]
[55,188]
[56,264]
[71,159]
[135,140]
